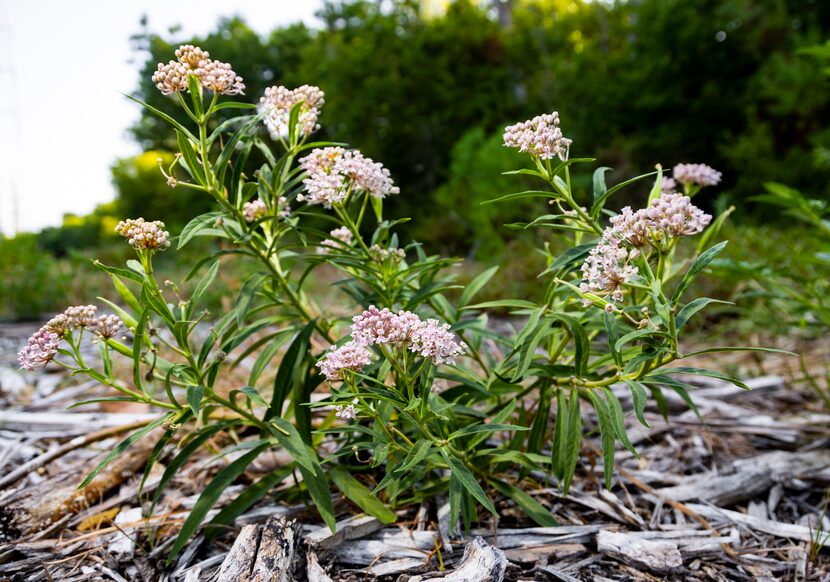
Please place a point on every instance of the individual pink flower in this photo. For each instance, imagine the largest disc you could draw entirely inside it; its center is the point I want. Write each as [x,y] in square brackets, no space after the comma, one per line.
[40,349]
[347,412]
[539,137]
[350,356]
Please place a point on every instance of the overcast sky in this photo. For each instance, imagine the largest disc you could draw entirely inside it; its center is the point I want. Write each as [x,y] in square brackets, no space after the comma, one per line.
[62,66]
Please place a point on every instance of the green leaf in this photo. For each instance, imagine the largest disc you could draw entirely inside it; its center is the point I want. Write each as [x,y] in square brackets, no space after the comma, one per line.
[476,285]
[512,303]
[698,372]
[599,202]
[607,432]
[288,437]
[612,330]
[204,285]
[521,196]
[360,496]
[415,455]
[639,399]
[246,499]
[582,345]
[599,182]
[246,296]
[318,488]
[193,227]
[468,481]
[123,446]
[693,307]
[617,420]
[571,440]
[184,454]
[190,159]
[194,398]
[534,510]
[479,428]
[210,495]
[163,116]
[528,349]
[286,373]
[636,334]
[737,349]
[701,263]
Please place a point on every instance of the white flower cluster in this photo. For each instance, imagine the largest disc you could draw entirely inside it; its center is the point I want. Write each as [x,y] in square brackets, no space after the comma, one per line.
[277,103]
[539,137]
[216,76]
[333,172]
[144,235]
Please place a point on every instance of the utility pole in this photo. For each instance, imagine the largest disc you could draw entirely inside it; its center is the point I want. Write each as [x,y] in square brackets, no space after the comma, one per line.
[9,130]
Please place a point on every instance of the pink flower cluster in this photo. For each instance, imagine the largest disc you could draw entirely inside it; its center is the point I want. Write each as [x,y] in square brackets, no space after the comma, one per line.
[340,237]
[540,137]
[350,356]
[39,351]
[696,174]
[43,345]
[669,185]
[334,172]
[277,103]
[216,76]
[670,215]
[144,235]
[429,338]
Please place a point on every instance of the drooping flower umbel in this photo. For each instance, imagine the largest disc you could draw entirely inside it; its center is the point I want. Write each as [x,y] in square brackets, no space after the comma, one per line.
[334,172]
[39,350]
[696,174]
[213,75]
[539,137]
[144,235]
[277,103]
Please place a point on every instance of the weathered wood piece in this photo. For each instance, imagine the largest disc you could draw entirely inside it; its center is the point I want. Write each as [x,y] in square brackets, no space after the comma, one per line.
[353,528]
[263,553]
[481,563]
[69,423]
[658,556]
[240,559]
[753,476]
[774,528]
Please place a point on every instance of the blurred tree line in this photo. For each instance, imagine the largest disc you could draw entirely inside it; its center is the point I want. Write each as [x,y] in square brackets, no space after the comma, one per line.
[428,94]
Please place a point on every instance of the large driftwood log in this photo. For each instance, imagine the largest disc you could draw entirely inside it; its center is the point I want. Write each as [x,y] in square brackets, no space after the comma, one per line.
[658,556]
[481,563]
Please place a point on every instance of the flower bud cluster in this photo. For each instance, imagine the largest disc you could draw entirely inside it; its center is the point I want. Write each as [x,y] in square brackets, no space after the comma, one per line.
[333,172]
[277,103]
[216,76]
[539,137]
[380,254]
[696,174]
[144,235]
